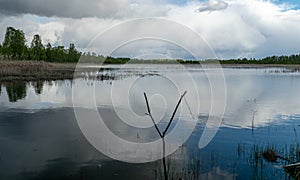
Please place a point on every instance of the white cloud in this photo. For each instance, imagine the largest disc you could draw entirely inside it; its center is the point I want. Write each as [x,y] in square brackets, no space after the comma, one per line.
[50,31]
[251,28]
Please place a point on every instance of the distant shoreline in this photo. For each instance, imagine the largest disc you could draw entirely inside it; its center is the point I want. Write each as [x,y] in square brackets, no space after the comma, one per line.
[289,66]
[11,71]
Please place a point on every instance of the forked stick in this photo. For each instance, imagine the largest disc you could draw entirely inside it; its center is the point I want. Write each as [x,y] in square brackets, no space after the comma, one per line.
[149,114]
[168,126]
[162,135]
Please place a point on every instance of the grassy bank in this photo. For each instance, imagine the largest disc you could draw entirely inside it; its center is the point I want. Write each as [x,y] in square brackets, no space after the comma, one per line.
[34,70]
[39,70]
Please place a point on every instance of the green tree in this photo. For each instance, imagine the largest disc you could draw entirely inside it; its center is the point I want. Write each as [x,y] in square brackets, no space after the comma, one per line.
[38,50]
[59,54]
[7,43]
[27,53]
[73,55]
[14,43]
[49,56]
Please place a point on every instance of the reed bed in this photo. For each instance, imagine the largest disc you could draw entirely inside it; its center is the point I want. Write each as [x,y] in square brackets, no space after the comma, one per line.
[34,70]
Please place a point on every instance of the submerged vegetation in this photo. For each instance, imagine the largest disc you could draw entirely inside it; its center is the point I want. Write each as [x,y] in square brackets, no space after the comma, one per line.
[278,159]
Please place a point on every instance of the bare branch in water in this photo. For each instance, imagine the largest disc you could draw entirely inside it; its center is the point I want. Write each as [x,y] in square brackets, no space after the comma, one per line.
[162,135]
[149,114]
[173,115]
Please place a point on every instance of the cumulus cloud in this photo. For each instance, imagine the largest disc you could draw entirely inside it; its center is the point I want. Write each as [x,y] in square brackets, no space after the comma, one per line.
[50,31]
[212,5]
[245,28]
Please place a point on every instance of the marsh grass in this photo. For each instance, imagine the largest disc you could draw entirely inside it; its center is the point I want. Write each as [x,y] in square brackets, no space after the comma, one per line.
[264,168]
[16,71]
[180,166]
[34,70]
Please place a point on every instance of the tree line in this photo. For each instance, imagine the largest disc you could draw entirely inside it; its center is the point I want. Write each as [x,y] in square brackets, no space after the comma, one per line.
[292,59]
[14,47]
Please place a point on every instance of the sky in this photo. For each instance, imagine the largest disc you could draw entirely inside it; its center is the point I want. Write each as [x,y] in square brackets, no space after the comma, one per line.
[228,28]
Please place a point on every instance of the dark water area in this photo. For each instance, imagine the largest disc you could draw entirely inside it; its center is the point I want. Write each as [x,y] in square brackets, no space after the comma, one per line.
[49,145]
[41,137]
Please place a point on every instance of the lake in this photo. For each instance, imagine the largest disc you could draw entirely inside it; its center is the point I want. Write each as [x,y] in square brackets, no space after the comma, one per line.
[227,118]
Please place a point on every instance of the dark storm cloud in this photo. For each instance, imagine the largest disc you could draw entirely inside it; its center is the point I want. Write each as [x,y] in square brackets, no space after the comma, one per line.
[72,9]
[212,5]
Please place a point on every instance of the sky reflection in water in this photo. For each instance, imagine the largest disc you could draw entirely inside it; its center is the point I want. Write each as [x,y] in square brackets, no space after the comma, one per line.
[39,135]
[259,94]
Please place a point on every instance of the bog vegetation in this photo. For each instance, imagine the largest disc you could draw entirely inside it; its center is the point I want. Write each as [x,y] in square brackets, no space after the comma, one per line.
[14,47]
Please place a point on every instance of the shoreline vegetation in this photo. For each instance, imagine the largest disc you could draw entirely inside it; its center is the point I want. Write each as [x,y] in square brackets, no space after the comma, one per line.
[20,61]
[17,70]
[11,71]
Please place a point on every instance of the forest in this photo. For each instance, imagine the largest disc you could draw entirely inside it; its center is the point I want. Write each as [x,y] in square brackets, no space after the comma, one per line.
[14,47]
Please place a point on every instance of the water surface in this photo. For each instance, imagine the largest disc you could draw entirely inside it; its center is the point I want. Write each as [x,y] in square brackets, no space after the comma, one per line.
[40,137]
